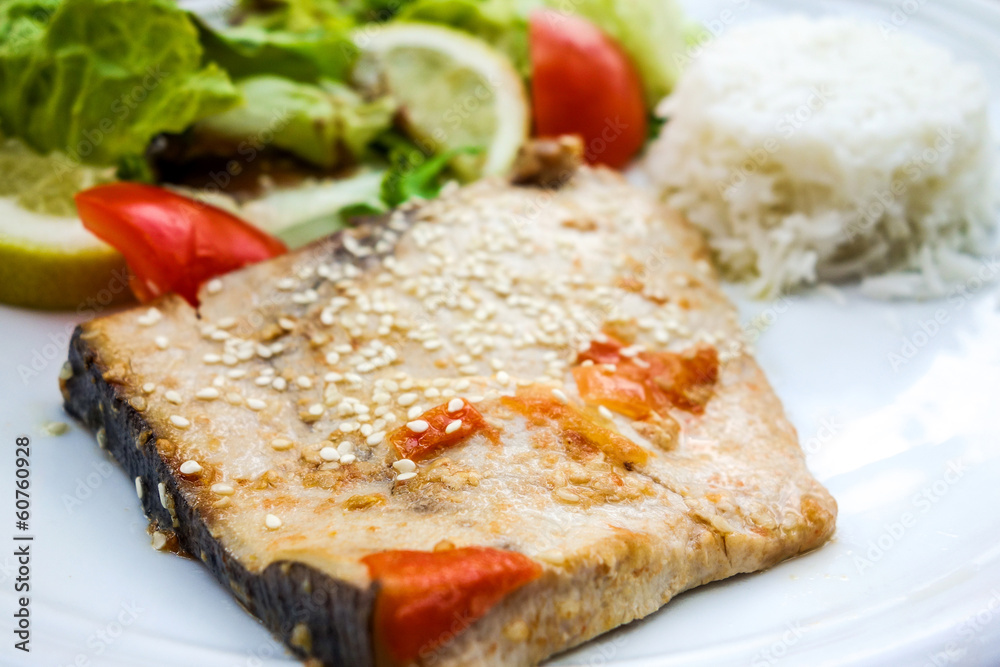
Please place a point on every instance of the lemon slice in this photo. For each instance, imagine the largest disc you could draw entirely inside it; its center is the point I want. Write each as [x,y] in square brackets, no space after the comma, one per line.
[455,92]
[47,259]
[52,262]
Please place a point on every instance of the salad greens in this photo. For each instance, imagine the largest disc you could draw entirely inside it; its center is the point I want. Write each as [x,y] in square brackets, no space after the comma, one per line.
[326,126]
[98,79]
[89,84]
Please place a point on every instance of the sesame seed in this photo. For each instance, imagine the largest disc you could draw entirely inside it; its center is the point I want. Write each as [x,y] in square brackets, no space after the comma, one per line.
[587,362]
[233,398]
[453,426]
[272,522]
[503,377]
[414,412]
[462,385]
[162,342]
[256,404]
[348,459]
[567,496]
[315,409]
[346,447]
[236,373]
[418,426]
[279,383]
[179,422]
[161,489]
[138,487]
[455,404]
[604,412]
[151,317]
[402,477]
[263,380]
[281,444]
[149,388]
[497,364]
[432,392]
[329,454]
[219,336]
[159,540]
[404,465]
[560,395]
[211,359]
[190,468]
[304,382]
[66,372]
[226,323]
[223,489]
[173,397]
[349,427]
[406,399]
[213,286]
[230,359]
[286,324]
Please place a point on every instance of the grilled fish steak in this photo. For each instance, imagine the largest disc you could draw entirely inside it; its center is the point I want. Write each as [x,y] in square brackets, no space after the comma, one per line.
[479,430]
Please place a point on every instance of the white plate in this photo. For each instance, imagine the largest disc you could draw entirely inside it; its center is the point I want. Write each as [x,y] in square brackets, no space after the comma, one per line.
[910,450]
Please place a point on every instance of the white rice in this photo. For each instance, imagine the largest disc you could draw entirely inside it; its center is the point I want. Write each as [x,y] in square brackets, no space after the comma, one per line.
[823,150]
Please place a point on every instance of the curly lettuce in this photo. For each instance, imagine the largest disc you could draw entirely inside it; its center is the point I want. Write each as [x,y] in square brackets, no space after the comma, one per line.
[98,79]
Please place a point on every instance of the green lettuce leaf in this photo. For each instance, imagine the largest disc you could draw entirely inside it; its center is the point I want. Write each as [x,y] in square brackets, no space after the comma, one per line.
[327,126]
[308,56]
[97,79]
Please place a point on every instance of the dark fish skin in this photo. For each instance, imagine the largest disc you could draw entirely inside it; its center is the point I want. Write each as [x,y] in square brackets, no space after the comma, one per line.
[287,597]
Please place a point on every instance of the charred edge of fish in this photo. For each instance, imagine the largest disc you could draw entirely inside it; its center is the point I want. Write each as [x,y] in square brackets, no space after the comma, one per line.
[292,599]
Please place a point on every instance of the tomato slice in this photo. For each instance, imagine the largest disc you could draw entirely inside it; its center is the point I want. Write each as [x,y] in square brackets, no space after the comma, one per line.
[428,597]
[171,243]
[418,446]
[601,386]
[577,429]
[648,381]
[583,83]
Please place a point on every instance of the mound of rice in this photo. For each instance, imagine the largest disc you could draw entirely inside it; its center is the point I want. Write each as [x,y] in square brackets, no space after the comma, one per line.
[823,150]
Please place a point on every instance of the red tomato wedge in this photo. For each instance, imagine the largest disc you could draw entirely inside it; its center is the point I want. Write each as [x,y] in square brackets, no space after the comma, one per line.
[171,243]
[419,446]
[428,597]
[647,381]
[583,83]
